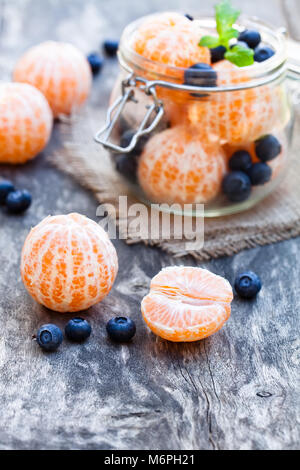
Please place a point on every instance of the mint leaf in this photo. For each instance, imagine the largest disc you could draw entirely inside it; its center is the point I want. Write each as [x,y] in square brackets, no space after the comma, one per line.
[226,16]
[231,33]
[209,41]
[240,56]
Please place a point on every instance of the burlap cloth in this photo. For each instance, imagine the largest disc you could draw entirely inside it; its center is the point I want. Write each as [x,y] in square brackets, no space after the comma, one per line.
[276,218]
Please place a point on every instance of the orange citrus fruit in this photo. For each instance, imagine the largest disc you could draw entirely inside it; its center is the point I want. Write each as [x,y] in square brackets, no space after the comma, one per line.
[186,303]
[179,166]
[170,39]
[240,116]
[60,71]
[169,43]
[25,122]
[68,263]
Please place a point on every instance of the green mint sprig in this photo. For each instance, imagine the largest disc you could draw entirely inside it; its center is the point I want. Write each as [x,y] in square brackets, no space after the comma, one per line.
[226,16]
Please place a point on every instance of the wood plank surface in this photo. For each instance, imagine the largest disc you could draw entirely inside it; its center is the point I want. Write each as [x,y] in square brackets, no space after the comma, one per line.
[236,390]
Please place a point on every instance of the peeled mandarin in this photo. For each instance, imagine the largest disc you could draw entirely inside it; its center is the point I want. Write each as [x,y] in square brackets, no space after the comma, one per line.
[68,263]
[170,43]
[60,71]
[169,39]
[187,304]
[238,116]
[180,166]
[25,122]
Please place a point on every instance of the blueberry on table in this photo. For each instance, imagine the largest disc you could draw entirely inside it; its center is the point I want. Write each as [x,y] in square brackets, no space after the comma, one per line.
[126,165]
[247,285]
[126,139]
[78,330]
[96,62]
[18,201]
[237,186]
[217,54]
[111,47]
[121,329]
[267,148]
[240,161]
[262,53]
[260,173]
[200,75]
[6,187]
[49,337]
[251,37]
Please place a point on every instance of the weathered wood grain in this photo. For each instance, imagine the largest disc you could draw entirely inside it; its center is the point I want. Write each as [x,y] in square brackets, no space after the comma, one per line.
[237,390]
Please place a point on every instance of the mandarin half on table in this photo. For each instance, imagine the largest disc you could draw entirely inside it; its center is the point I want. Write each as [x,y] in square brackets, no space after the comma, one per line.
[68,263]
[60,71]
[187,304]
[25,122]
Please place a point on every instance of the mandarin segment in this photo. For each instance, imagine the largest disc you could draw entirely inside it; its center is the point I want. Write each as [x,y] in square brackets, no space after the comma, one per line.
[243,115]
[68,263]
[179,166]
[187,304]
[25,122]
[60,71]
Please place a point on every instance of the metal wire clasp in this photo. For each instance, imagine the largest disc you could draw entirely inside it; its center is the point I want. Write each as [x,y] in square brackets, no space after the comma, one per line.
[116,109]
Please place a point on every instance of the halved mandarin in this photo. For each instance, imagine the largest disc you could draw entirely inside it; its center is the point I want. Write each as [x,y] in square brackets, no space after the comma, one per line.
[60,71]
[240,116]
[25,122]
[179,165]
[187,304]
[68,263]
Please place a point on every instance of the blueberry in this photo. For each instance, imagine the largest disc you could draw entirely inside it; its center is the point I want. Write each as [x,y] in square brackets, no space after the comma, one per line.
[6,187]
[262,53]
[267,148]
[110,47]
[217,54]
[121,329]
[126,138]
[126,165]
[18,201]
[240,161]
[189,17]
[237,186]
[259,173]
[78,330]
[251,37]
[200,75]
[247,285]
[96,62]
[49,337]
[241,44]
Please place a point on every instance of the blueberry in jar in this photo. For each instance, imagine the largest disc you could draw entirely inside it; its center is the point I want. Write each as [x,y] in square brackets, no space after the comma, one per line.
[267,148]
[237,186]
[251,37]
[260,173]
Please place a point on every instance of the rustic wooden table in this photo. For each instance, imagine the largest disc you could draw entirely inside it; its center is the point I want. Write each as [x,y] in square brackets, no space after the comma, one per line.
[237,390]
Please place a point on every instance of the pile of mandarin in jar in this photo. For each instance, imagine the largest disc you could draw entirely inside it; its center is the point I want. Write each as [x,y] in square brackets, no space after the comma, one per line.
[218,146]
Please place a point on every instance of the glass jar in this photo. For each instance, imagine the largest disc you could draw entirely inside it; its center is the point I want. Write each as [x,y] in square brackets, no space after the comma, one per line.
[172,140]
